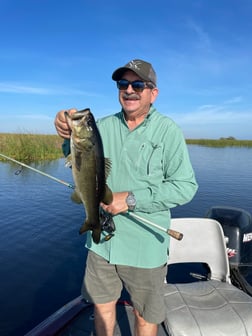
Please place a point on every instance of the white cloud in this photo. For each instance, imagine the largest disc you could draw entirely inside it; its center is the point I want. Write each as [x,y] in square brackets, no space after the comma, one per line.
[40,123]
[203,39]
[233,100]
[214,121]
[19,88]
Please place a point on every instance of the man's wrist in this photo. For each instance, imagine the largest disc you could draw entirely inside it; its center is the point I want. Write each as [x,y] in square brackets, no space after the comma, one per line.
[131,201]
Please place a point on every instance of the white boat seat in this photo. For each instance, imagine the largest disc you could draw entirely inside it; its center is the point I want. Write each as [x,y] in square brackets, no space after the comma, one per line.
[205,308]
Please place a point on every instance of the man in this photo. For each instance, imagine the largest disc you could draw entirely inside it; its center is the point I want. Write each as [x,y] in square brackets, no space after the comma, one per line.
[151,173]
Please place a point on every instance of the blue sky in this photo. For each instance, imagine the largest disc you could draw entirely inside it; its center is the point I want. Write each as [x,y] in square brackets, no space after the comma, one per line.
[60,54]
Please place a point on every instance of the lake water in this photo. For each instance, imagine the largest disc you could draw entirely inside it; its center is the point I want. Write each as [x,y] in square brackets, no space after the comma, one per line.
[42,256]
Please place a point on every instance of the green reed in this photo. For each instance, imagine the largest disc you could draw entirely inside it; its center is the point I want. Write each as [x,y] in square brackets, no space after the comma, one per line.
[30,147]
[222,142]
[38,147]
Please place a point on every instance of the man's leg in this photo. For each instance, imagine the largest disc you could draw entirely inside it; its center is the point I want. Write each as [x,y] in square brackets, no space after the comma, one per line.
[146,287]
[102,286]
[105,316]
[144,328]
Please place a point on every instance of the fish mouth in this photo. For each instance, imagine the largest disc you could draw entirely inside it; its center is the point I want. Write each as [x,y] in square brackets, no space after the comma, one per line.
[80,114]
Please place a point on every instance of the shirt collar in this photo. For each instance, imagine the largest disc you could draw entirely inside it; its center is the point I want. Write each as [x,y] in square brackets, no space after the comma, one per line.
[146,120]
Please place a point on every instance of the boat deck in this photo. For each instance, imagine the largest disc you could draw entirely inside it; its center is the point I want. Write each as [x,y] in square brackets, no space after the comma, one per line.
[83,324]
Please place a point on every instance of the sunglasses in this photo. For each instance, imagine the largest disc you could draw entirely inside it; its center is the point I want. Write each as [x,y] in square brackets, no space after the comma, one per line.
[137,85]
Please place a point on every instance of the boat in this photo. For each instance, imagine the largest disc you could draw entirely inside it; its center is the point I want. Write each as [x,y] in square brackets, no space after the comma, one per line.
[211,297]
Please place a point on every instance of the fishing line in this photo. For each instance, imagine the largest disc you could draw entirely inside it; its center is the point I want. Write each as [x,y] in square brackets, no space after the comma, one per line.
[69,185]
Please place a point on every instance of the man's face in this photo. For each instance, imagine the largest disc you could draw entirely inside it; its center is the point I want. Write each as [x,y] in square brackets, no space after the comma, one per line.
[136,103]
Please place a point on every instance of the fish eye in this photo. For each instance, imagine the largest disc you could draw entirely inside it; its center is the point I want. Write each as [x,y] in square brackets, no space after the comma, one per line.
[89,122]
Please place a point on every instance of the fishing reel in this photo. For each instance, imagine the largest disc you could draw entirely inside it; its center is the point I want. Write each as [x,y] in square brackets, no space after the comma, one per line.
[107,224]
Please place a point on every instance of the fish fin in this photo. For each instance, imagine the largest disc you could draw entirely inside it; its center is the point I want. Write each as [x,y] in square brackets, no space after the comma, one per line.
[85,227]
[108,165]
[76,198]
[68,161]
[96,233]
[108,195]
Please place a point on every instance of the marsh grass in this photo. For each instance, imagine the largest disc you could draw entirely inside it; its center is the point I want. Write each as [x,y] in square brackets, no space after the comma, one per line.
[222,142]
[30,147]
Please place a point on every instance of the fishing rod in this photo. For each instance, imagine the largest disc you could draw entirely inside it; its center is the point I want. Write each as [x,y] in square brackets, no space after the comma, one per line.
[69,185]
[175,234]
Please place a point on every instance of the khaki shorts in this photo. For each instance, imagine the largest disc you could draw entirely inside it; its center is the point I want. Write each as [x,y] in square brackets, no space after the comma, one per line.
[103,283]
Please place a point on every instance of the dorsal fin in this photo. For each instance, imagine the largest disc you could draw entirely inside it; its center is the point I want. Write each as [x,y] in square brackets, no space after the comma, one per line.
[75,197]
[108,165]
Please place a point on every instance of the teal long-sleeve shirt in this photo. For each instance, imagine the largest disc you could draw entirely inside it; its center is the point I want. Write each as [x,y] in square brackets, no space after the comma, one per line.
[152,161]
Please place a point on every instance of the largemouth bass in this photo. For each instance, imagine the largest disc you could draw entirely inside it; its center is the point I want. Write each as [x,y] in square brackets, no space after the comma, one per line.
[89,168]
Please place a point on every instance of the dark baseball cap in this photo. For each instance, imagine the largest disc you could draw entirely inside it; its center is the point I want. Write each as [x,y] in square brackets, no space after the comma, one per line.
[141,68]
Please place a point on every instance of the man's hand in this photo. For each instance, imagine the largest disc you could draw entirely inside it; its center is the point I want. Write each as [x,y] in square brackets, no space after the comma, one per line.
[61,124]
[118,204]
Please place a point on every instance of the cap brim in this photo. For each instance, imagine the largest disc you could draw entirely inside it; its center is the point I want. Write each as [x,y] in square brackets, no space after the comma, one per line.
[117,74]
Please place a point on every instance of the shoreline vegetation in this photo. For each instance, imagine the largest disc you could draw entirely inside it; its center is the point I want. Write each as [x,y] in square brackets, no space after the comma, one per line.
[30,147]
[40,147]
[222,142]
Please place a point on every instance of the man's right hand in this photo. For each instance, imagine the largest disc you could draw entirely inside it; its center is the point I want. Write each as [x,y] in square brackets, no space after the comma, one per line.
[61,124]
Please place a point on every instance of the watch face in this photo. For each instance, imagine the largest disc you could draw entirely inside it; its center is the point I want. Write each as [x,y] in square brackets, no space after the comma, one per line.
[131,201]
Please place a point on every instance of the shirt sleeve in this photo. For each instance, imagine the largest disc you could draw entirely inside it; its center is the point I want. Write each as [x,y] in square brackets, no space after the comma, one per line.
[178,185]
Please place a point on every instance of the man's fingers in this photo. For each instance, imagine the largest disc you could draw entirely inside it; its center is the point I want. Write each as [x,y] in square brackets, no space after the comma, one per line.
[61,124]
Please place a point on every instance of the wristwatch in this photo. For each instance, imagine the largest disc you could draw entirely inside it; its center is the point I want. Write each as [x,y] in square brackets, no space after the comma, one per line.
[131,201]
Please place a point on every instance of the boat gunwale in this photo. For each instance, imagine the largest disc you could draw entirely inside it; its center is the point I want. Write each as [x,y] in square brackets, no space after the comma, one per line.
[60,318]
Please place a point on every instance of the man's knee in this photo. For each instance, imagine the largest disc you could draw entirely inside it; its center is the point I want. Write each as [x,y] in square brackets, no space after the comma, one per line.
[140,320]
[105,308]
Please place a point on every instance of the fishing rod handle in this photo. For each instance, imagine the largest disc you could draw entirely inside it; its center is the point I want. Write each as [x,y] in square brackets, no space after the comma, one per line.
[175,234]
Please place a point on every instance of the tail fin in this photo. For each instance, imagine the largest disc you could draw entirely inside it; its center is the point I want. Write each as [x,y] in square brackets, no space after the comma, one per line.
[96,233]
